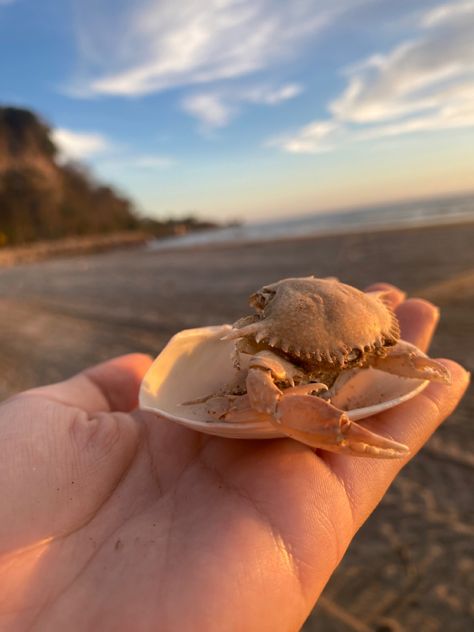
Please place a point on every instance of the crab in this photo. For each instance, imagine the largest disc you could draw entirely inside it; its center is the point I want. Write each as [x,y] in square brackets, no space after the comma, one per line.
[306,337]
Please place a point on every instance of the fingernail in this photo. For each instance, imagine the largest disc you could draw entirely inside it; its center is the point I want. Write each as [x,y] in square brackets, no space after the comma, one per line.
[395,295]
[463,374]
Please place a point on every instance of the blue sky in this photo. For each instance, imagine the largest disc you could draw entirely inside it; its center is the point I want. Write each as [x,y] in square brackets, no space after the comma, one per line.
[251,108]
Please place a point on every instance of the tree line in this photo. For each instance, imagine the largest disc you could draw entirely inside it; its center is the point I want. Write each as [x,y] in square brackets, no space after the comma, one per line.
[42,199]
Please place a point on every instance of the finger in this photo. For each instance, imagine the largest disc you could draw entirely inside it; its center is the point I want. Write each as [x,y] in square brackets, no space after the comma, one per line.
[393,296]
[109,386]
[418,319]
[411,423]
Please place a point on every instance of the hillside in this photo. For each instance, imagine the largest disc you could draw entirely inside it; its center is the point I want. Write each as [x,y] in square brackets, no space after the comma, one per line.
[42,199]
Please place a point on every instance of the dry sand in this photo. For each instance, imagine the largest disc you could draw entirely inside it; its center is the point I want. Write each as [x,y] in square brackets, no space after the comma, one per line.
[410,566]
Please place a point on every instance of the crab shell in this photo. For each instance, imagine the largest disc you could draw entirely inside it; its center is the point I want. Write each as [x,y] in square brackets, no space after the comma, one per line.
[319,321]
[197,363]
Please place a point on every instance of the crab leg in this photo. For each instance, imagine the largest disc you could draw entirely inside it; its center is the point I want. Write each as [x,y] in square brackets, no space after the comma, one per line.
[406,361]
[318,423]
[314,421]
[262,391]
[237,409]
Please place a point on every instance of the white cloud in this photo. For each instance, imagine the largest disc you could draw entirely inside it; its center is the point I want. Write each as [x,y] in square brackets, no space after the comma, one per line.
[445,12]
[79,145]
[210,109]
[422,85]
[151,161]
[313,138]
[266,95]
[155,45]
[125,162]
[216,109]
[407,79]
[107,154]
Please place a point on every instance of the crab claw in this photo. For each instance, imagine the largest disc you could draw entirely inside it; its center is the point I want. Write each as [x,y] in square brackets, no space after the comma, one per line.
[316,422]
[407,361]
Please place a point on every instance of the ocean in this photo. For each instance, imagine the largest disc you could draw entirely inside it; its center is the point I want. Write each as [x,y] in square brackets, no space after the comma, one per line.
[383,217]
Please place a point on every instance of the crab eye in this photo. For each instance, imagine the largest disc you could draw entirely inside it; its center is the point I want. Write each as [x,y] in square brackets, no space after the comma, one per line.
[261,298]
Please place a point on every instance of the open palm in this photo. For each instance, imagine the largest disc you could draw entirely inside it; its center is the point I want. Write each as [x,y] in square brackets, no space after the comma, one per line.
[116,520]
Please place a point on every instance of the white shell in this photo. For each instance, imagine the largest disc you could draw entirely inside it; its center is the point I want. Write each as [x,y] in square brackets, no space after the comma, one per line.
[197,363]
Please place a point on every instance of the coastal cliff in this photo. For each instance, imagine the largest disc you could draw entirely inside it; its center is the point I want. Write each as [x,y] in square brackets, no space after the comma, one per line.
[42,198]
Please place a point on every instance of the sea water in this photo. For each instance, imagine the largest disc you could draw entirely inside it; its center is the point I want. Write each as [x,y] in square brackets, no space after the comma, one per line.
[383,217]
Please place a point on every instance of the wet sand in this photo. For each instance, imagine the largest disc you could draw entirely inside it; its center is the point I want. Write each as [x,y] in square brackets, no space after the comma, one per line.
[69,247]
[409,566]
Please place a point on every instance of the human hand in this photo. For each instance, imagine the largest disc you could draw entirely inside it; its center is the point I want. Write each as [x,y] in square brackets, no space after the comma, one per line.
[112,519]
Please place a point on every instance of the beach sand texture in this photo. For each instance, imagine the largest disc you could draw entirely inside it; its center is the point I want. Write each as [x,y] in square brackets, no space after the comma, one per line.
[411,566]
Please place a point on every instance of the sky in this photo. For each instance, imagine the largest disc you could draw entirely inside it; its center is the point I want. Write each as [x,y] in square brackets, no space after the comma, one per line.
[251,109]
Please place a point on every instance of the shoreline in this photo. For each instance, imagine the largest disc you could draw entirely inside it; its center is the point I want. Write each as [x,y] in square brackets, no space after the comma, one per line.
[167,246]
[70,247]
[96,244]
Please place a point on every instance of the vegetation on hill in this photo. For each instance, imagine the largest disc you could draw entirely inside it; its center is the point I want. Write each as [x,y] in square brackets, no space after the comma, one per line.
[43,199]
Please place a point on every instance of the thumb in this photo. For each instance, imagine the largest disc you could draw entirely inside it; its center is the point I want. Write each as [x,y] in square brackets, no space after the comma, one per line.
[110,386]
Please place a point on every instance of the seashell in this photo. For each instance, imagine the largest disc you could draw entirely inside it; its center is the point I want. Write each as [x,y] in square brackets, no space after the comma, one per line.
[199,362]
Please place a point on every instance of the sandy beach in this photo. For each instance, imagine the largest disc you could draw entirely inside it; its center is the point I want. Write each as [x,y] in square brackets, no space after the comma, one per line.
[409,566]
